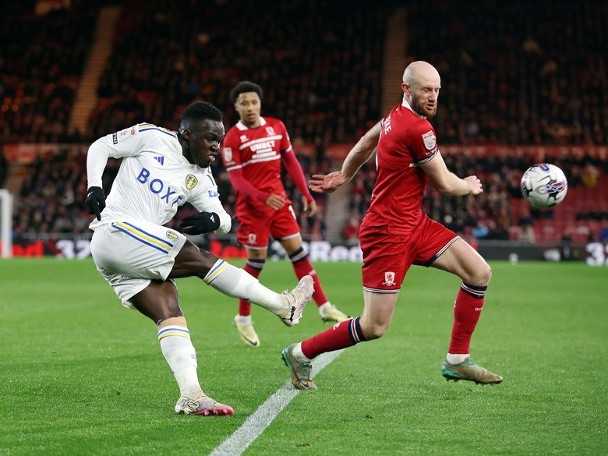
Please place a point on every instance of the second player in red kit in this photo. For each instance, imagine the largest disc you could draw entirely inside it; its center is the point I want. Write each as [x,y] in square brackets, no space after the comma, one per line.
[253,151]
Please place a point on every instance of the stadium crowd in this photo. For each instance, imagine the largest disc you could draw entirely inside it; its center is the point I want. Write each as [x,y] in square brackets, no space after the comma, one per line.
[41,62]
[167,57]
[51,199]
[535,74]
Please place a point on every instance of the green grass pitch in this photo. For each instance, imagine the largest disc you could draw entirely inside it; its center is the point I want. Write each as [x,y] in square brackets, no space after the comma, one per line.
[81,375]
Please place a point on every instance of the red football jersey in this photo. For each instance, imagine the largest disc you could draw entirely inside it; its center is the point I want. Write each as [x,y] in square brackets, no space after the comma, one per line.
[257,151]
[406,140]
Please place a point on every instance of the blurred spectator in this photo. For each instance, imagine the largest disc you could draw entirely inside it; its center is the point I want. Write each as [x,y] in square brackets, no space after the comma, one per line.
[481,230]
[590,175]
[350,232]
[3,167]
[526,233]
[603,233]
[467,235]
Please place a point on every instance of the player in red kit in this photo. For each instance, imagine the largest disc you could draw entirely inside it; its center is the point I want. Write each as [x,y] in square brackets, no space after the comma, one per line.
[252,152]
[395,233]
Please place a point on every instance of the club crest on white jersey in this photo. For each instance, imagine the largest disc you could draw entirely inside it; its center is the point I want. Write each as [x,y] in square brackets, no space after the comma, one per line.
[191,181]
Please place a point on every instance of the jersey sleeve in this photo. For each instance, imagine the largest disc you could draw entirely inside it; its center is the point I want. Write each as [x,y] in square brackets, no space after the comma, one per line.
[294,169]
[231,155]
[422,142]
[207,199]
[124,143]
[285,139]
[130,141]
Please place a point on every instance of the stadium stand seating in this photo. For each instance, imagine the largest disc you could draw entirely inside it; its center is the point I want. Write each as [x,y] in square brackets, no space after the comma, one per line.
[536,74]
[41,62]
[324,84]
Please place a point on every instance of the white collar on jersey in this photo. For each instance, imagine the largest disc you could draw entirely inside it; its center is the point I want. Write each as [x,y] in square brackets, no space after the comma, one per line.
[241,126]
[407,105]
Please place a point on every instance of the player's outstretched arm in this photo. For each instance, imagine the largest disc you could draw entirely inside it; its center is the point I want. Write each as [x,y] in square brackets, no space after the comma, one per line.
[358,155]
[326,183]
[361,152]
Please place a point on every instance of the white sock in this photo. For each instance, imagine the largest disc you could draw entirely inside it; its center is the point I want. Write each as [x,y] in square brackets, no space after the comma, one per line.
[237,283]
[456,359]
[243,319]
[180,355]
[299,354]
[322,307]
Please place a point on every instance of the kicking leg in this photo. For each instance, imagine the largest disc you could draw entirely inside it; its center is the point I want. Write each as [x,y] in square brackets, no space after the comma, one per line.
[234,282]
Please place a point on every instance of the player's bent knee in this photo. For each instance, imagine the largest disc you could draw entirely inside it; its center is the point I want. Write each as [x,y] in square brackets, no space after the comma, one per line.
[480,275]
[485,273]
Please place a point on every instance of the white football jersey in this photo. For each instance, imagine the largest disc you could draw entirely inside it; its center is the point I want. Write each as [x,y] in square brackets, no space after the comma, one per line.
[154,178]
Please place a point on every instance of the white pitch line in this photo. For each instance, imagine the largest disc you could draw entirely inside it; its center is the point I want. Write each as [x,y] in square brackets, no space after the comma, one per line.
[253,426]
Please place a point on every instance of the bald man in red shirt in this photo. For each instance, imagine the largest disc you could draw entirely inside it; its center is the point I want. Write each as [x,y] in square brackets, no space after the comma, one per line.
[396,234]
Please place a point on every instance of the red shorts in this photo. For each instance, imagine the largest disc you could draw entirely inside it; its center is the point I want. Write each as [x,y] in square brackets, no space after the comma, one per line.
[255,229]
[387,257]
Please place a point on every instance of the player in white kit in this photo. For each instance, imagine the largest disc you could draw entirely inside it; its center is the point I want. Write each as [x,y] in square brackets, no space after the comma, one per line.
[160,171]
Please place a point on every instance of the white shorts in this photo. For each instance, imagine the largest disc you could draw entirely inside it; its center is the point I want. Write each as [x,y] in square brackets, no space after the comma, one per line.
[129,254]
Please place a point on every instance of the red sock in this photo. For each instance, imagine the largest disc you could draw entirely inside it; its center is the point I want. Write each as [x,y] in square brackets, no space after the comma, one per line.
[467,311]
[302,266]
[340,335]
[253,267]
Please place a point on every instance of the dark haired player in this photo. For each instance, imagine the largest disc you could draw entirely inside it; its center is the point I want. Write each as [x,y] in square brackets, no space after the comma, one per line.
[161,170]
[252,152]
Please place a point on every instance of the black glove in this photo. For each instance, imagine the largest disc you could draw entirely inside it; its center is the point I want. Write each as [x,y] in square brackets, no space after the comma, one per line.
[203,222]
[96,201]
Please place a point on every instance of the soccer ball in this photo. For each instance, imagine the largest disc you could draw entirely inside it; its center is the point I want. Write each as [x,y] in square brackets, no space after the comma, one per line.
[544,185]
